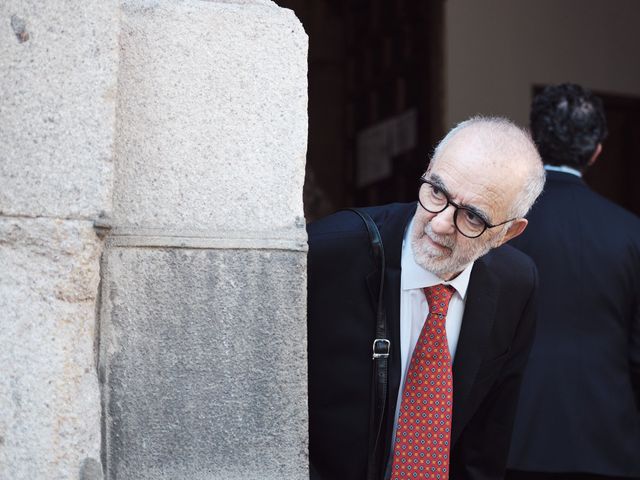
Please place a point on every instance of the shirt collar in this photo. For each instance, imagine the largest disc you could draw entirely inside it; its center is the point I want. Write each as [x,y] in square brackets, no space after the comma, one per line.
[414,276]
[563,168]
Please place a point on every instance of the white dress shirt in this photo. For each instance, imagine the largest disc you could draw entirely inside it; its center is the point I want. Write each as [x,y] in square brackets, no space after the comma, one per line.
[414,308]
[563,168]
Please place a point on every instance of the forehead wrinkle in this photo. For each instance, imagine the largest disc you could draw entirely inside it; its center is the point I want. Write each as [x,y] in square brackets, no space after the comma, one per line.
[483,170]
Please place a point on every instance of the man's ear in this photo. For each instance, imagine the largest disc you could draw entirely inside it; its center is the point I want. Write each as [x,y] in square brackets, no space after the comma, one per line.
[515,229]
[595,155]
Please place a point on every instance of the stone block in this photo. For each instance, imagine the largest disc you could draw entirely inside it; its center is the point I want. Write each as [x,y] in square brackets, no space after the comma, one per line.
[57,107]
[49,392]
[203,355]
[212,119]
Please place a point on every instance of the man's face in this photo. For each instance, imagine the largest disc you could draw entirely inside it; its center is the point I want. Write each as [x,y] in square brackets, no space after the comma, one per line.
[470,179]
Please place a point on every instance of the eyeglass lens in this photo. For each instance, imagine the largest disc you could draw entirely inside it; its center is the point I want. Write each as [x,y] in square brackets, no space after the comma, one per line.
[435,200]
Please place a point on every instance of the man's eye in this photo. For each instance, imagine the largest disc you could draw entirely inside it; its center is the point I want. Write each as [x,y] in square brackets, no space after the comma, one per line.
[472,218]
[436,192]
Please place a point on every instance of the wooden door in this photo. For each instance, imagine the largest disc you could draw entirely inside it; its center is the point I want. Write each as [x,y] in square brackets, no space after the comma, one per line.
[616,174]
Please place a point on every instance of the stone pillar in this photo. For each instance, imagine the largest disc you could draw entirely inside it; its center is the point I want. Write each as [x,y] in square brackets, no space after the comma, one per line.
[58,64]
[203,325]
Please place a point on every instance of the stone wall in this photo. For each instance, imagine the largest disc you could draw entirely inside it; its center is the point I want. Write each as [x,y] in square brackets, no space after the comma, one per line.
[57,123]
[178,127]
[203,350]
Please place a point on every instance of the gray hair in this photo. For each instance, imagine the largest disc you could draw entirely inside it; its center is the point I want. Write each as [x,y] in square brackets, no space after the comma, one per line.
[501,134]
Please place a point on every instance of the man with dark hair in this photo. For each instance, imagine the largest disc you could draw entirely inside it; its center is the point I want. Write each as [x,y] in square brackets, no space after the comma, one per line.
[579,409]
[460,311]
[568,126]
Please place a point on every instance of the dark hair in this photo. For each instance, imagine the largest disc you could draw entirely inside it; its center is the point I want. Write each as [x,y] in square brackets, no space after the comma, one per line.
[567,124]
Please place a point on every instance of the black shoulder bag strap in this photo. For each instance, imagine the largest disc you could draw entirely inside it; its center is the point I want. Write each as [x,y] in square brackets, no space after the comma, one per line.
[381,349]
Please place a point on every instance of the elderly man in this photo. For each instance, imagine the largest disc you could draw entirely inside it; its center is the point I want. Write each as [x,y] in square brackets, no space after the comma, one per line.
[579,413]
[460,311]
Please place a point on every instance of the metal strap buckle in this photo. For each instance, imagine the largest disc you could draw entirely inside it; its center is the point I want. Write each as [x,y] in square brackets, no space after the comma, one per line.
[381,348]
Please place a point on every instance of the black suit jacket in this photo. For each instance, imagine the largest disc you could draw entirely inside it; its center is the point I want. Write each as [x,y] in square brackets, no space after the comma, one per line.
[578,412]
[493,346]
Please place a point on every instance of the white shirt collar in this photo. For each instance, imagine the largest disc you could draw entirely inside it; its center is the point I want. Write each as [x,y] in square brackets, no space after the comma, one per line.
[563,168]
[414,276]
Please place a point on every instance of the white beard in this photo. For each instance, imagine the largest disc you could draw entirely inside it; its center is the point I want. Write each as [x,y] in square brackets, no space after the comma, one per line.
[445,263]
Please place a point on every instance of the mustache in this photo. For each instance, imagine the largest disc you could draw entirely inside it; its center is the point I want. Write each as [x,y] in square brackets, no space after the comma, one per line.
[446,241]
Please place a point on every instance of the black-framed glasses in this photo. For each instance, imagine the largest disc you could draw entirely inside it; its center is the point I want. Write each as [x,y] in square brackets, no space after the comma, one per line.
[469,223]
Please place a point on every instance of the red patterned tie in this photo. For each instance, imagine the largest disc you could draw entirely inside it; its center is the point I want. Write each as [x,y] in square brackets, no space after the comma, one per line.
[421,448]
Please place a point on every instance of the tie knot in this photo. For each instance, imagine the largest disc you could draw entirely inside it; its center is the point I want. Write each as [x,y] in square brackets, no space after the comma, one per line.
[438,297]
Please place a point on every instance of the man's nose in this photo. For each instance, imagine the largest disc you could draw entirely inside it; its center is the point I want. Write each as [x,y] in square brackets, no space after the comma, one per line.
[443,222]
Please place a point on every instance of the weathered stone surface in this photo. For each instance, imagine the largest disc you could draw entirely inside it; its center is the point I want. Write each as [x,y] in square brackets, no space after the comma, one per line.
[91,469]
[49,395]
[203,360]
[57,107]
[212,122]
[203,356]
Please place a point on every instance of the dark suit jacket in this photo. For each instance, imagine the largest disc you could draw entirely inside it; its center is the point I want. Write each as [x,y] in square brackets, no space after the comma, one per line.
[493,346]
[577,410]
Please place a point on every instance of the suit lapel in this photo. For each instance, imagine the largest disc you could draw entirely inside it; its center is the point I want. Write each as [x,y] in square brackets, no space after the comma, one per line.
[476,328]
